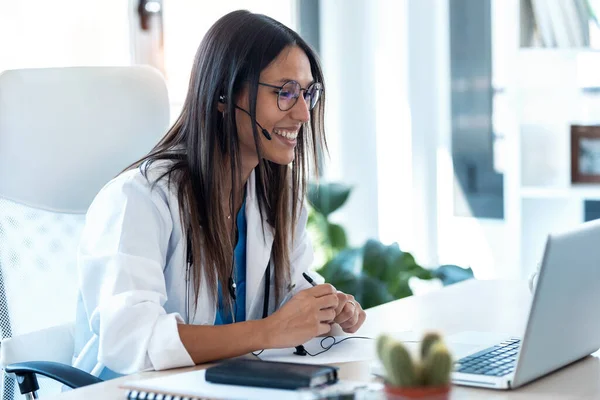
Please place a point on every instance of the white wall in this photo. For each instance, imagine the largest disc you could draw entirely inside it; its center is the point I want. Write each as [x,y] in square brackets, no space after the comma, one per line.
[38,34]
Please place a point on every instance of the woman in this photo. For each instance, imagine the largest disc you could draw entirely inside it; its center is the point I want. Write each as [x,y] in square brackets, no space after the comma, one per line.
[196,252]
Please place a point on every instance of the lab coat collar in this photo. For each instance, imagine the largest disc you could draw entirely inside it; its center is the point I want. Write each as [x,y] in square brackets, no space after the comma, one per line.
[259,240]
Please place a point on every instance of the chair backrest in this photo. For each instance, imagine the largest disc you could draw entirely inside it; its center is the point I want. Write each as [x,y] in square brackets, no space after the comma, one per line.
[64,133]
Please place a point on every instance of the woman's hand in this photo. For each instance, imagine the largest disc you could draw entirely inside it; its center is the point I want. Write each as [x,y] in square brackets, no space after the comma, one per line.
[308,314]
[349,314]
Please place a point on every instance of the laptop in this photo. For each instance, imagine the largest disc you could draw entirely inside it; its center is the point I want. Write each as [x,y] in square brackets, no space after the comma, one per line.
[564,317]
[563,325]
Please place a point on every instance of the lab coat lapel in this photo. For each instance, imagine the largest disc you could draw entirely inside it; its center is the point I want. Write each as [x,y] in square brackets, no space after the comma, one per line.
[258,250]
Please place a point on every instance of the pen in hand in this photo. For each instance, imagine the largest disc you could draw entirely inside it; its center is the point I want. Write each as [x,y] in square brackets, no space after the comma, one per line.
[312,282]
[300,350]
[289,295]
[309,279]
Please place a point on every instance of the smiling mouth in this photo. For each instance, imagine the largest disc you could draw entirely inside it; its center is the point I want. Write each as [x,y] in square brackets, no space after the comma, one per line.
[288,134]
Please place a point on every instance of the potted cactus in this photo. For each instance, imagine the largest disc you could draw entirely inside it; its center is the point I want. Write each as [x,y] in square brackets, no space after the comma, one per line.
[426,377]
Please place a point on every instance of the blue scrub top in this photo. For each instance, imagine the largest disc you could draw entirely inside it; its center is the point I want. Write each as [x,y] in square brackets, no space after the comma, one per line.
[239,253]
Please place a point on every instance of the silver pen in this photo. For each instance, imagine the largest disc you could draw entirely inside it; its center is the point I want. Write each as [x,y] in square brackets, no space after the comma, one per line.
[309,279]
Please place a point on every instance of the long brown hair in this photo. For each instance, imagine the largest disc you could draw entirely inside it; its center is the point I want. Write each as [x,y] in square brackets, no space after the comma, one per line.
[232,54]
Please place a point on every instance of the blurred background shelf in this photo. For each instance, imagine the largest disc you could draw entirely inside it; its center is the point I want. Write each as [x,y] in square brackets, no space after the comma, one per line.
[579,191]
[551,83]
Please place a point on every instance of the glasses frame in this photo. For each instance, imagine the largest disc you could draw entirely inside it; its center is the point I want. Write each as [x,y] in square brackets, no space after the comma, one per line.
[280,88]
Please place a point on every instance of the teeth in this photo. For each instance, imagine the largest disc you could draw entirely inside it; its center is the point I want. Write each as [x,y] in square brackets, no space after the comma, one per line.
[286,134]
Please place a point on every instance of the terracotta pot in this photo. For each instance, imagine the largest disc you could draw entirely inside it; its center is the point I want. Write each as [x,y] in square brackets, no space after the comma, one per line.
[423,393]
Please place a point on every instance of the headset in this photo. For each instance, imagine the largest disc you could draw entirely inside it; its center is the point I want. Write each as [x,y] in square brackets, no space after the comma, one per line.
[266,134]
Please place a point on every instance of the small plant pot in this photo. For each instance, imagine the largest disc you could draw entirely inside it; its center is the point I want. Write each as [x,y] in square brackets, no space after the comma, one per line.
[423,392]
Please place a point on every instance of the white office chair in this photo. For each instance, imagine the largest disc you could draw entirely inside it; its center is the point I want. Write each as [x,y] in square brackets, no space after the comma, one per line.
[64,133]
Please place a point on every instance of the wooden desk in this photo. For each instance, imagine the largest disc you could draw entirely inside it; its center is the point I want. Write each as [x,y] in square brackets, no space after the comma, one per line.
[473,305]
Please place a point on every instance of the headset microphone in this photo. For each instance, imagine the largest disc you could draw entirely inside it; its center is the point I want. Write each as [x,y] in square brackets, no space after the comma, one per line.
[265,132]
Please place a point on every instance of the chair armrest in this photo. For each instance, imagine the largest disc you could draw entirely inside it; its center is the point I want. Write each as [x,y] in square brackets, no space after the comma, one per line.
[33,346]
[65,374]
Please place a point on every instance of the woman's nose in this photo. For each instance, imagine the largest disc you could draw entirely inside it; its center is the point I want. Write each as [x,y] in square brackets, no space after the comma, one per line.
[300,111]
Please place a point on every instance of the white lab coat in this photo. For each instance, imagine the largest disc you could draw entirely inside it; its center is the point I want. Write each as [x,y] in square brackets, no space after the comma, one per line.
[132,269]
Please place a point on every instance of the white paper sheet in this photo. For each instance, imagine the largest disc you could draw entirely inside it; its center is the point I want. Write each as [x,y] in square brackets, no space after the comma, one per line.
[194,384]
[354,349]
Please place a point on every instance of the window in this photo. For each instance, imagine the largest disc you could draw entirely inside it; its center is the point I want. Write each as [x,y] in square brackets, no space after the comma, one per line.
[478,188]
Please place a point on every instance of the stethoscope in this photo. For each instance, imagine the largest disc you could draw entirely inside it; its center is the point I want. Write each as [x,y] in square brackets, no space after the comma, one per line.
[232,286]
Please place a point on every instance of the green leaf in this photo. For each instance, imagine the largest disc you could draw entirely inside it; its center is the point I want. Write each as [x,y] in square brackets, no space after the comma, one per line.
[450,274]
[386,262]
[337,237]
[341,268]
[327,198]
[375,264]
[408,264]
[400,287]
[375,273]
[368,292]
[371,292]
[422,273]
[341,273]
[409,260]
[392,266]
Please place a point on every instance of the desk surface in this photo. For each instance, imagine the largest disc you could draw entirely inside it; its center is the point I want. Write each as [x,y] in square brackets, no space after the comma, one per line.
[499,306]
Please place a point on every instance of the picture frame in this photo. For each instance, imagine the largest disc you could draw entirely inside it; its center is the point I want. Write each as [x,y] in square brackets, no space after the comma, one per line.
[585,153]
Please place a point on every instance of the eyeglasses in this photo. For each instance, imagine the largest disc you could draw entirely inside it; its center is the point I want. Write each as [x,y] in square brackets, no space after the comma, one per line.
[287,95]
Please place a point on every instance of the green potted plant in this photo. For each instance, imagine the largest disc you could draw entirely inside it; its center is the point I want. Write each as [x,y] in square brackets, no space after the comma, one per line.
[424,377]
[374,273]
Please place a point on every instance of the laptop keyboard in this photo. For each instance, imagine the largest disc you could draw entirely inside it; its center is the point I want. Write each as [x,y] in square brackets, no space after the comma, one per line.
[497,360]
